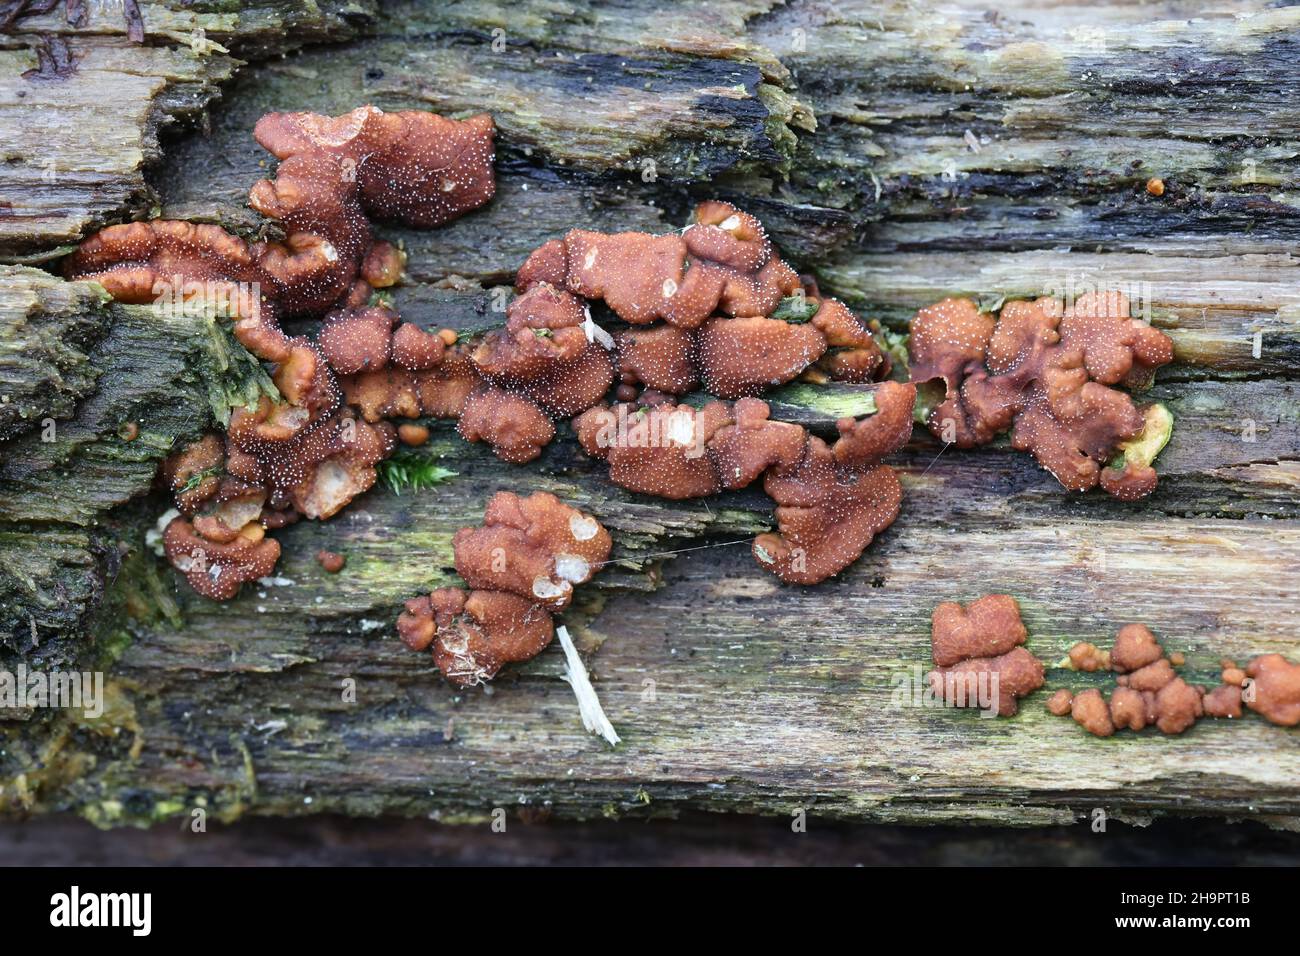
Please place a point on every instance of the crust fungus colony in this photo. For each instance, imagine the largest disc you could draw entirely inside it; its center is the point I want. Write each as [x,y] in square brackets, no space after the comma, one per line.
[1046,372]
[1148,691]
[980,661]
[711,306]
[714,306]
[981,644]
[310,451]
[521,565]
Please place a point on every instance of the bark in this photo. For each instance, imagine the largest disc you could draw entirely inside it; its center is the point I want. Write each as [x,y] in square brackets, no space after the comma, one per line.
[844,127]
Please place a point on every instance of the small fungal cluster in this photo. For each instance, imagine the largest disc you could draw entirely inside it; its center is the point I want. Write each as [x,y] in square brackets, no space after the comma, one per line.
[831,499]
[980,645]
[311,450]
[1148,691]
[981,642]
[521,565]
[1047,372]
[712,305]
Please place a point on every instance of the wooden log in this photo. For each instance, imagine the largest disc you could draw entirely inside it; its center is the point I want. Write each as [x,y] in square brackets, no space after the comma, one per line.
[100,393]
[901,154]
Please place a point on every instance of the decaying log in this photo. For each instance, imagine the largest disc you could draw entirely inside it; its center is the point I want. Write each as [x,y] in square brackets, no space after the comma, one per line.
[898,152]
[94,395]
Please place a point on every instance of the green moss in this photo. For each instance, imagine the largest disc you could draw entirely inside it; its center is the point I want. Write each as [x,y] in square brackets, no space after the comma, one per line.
[408,470]
[795,309]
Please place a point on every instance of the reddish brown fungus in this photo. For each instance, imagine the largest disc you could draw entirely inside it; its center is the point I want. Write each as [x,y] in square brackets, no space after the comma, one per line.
[986,627]
[1048,373]
[1274,689]
[537,547]
[473,634]
[977,654]
[522,562]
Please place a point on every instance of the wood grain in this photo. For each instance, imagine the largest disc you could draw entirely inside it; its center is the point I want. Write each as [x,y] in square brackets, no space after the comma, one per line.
[844,126]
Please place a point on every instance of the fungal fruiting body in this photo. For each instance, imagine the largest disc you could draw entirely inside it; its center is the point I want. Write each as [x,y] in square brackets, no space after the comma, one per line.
[831,499]
[550,362]
[712,305]
[314,447]
[1048,373]
[978,655]
[520,565]
[1149,692]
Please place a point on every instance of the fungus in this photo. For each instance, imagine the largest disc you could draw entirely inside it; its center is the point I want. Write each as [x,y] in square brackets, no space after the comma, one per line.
[472,635]
[521,563]
[1010,676]
[1129,708]
[831,499]
[543,354]
[837,498]
[357,340]
[752,443]
[747,356]
[1090,711]
[986,627]
[537,547]
[515,428]
[303,453]
[437,392]
[1148,692]
[1135,647]
[1274,689]
[1153,676]
[1046,373]
[1060,703]
[1177,706]
[825,516]
[1087,657]
[655,450]
[723,262]
[330,561]
[195,472]
[416,349]
[1223,701]
[977,654]
[852,353]
[661,357]
[412,435]
[413,167]
[218,569]
[185,266]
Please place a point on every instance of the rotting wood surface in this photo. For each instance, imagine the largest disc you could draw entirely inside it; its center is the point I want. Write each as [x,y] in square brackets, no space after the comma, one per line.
[900,154]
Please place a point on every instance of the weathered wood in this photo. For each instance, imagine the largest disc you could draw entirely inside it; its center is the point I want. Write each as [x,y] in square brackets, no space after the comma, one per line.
[76,142]
[766,697]
[85,370]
